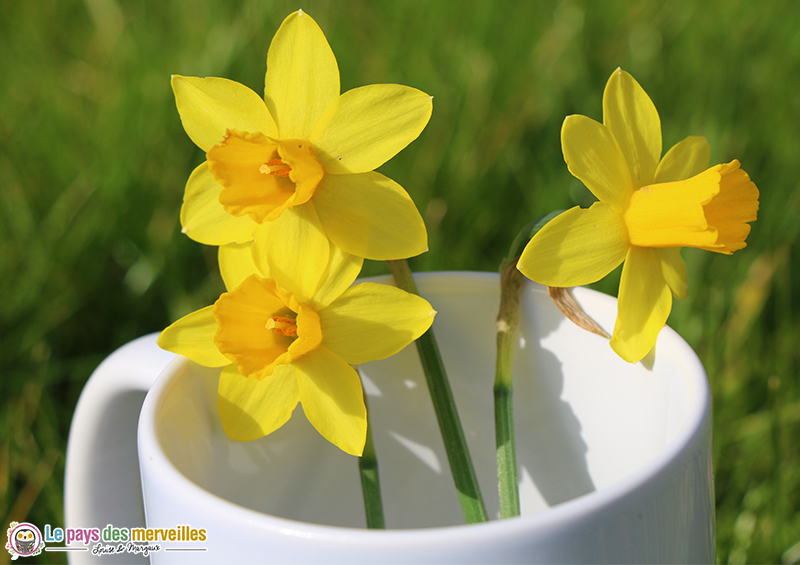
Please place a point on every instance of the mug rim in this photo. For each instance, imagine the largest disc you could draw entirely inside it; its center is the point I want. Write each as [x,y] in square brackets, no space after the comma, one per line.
[670,343]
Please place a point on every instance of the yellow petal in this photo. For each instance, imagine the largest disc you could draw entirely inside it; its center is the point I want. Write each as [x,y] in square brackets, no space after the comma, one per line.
[373,321]
[193,336]
[686,159]
[643,307]
[367,126]
[332,399]
[302,76]
[593,155]
[236,263]
[632,117]
[249,408]
[370,215]
[673,267]
[294,249]
[211,106]
[342,270]
[204,219]
[579,246]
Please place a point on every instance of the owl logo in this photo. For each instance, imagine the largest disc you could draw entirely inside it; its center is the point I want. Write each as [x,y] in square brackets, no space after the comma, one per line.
[24,540]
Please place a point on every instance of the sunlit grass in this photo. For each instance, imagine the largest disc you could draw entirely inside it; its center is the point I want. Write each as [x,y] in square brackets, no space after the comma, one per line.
[93,160]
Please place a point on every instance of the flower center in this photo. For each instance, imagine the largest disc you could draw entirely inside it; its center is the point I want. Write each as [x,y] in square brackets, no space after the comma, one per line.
[291,330]
[261,177]
[276,167]
[282,325]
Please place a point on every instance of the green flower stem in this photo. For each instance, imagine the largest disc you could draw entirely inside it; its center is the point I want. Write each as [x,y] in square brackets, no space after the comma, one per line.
[507,319]
[466,482]
[370,482]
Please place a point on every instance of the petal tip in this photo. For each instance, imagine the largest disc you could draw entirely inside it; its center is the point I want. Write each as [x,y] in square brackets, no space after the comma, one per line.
[160,340]
[624,353]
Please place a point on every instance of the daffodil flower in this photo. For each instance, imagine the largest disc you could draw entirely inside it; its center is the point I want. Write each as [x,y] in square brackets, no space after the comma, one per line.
[277,346]
[298,165]
[649,207]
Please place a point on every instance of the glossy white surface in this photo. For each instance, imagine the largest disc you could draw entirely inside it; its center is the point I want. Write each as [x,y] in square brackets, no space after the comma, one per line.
[102,482]
[615,458]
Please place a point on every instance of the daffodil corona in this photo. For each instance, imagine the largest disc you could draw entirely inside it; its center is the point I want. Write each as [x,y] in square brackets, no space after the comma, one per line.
[649,207]
[277,346]
[299,163]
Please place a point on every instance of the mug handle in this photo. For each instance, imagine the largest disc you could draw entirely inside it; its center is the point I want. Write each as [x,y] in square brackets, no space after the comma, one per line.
[102,484]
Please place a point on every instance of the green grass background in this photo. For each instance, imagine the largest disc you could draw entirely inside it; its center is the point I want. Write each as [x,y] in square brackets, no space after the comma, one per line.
[93,161]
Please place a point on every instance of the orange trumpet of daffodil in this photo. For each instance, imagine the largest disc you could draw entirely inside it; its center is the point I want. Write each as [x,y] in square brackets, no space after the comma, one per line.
[278,345]
[649,207]
[296,168]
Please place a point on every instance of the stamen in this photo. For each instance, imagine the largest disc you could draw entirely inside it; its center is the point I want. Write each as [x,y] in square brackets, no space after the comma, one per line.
[275,167]
[282,325]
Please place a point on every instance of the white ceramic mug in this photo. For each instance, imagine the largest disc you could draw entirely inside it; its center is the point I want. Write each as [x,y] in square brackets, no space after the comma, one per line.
[615,459]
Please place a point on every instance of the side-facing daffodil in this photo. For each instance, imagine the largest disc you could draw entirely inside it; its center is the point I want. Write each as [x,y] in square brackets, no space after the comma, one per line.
[649,207]
[277,346]
[298,165]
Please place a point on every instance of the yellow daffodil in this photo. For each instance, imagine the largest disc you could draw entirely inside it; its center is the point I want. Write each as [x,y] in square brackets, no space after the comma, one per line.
[649,207]
[299,163]
[278,346]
